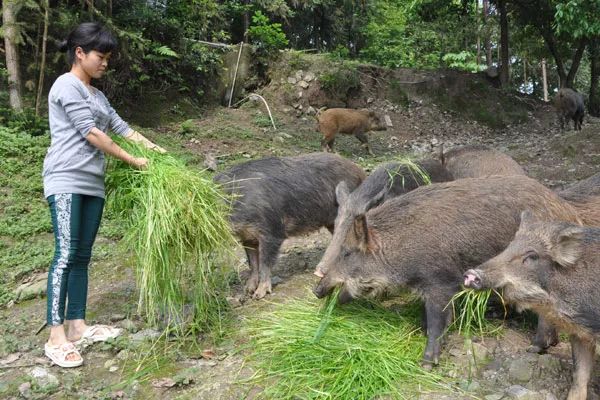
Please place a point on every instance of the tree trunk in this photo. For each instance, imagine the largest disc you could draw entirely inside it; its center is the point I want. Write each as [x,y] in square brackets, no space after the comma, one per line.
[576,61]
[487,42]
[504,72]
[594,101]
[9,20]
[40,88]
[478,33]
[544,80]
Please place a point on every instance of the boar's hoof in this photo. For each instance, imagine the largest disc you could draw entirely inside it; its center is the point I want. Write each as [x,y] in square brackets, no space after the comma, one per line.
[251,284]
[262,290]
[427,365]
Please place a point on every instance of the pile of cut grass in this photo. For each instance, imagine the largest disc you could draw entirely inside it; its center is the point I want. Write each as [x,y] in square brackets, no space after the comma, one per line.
[306,350]
[178,228]
[418,173]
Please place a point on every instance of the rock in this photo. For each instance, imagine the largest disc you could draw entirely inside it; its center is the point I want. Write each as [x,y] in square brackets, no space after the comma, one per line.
[370,100]
[521,393]
[234,301]
[303,84]
[117,317]
[520,370]
[146,334]
[470,386]
[275,280]
[309,76]
[31,290]
[279,139]
[42,378]
[128,325]
[311,110]
[286,110]
[285,135]
[123,355]
[299,94]
[110,363]
[25,390]
[210,162]
[549,363]
[494,396]
[296,105]
[292,80]
[299,74]
[206,363]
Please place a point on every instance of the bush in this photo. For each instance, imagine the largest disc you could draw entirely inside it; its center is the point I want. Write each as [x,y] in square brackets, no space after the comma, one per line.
[25,121]
[341,83]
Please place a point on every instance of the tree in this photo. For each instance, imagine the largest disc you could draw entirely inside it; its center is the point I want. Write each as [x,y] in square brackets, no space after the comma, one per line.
[10,9]
[580,18]
[504,60]
[40,86]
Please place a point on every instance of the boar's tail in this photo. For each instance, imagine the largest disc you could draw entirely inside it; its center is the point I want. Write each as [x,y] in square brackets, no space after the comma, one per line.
[587,209]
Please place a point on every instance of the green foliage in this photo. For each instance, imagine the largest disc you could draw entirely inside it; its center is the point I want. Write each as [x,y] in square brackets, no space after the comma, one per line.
[578,17]
[266,36]
[464,61]
[24,121]
[341,82]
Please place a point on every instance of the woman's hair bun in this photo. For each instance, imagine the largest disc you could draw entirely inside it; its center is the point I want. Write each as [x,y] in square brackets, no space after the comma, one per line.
[63,46]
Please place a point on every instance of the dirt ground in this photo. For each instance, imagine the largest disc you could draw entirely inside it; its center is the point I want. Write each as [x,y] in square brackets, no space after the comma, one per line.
[120,370]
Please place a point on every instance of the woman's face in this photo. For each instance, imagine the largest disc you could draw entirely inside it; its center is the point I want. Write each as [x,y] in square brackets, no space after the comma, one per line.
[93,63]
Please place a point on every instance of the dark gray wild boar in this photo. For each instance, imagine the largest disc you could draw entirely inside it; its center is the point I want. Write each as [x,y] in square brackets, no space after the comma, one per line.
[426,239]
[281,197]
[569,105]
[476,161]
[553,269]
[387,181]
[352,122]
[582,190]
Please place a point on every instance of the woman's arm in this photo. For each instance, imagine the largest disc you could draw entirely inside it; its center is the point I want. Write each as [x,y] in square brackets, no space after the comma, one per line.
[137,137]
[103,142]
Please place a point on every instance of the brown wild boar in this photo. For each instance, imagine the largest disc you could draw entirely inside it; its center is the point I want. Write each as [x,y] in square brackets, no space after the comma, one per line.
[352,122]
[475,161]
[426,239]
[569,105]
[279,197]
[553,269]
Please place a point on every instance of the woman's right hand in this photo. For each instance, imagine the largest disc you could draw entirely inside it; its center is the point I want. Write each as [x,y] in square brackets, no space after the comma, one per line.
[139,163]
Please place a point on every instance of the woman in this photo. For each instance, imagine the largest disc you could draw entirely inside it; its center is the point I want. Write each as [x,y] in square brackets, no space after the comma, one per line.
[80,117]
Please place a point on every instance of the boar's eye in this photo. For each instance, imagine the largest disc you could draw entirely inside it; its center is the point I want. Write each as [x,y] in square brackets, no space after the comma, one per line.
[345,253]
[530,256]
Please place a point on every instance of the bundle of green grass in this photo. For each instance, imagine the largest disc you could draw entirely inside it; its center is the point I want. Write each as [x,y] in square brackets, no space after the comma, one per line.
[177,226]
[305,349]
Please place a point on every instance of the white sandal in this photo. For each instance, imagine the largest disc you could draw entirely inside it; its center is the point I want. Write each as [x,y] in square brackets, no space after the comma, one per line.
[98,333]
[59,353]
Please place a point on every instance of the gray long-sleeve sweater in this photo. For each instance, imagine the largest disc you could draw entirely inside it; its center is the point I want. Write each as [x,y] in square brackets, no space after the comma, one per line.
[72,164]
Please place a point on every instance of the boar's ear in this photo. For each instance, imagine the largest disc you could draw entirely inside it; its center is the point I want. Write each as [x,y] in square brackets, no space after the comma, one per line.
[363,235]
[376,200]
[527,218]
[568,247]
[341,192]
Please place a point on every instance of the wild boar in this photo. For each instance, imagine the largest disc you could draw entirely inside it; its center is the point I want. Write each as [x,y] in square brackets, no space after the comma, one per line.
[475,161]
[427,238]
[387,181]
[582,190]
[279,197]
[345,120]
[553,269]
[569,105]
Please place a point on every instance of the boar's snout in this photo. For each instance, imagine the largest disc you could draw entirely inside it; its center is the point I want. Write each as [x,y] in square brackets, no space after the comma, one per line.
[324,288]
[472,279]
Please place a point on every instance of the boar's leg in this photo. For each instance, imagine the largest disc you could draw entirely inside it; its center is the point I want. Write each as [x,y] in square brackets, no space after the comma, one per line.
[437,321]
[268,251]
[364,139]
[583,360]
[252,255]
[545,336]
[327,143]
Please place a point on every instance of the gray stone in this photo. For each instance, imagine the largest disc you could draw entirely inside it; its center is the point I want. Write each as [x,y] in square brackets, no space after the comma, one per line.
[128,325]
[520,370]
[31,290]
[309,76]
[109,363]
[234,301]
[275,280]
[146,334]
[292,80]
[117,317]
[521,393]
[299,74]
[303,84]
[494,396]
[549,363]
[311,110]
[42,378]
[285,135]
[123,355]
[25,390]
[299,94]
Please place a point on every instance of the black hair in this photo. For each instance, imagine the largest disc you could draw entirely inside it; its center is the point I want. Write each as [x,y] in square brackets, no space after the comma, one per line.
[89,36]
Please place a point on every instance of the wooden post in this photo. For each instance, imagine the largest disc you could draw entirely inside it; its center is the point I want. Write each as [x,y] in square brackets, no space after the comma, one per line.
[544,81]
[40,88]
